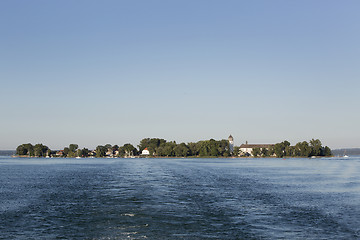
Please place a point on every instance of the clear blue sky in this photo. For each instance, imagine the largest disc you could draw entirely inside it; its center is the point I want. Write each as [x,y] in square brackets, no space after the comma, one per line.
[97,72]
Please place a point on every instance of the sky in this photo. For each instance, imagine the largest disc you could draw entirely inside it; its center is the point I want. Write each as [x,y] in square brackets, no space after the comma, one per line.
[97,72]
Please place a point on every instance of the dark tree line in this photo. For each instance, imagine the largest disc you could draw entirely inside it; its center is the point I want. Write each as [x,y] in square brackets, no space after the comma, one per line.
[156,146]
[301,149]
[207,148]
[29,150]
[161,148]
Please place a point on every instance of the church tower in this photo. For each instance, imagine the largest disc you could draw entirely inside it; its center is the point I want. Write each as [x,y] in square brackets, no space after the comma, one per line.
[231,143]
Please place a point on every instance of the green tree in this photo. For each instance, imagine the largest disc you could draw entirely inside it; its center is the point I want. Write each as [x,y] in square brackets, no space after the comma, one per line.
[66,151]
[181,150]
[169,149]
[108,146]
[280,149]
[49,152]
[100,151]
[21,150]
[25,150]
[327,151]
[40,150]
[73,147]
[316,147]
[256,152]
[129,150]
[84,152]
[265,152]
[78,153]
[236,151]
[151,144]
[305,149]
[193,148]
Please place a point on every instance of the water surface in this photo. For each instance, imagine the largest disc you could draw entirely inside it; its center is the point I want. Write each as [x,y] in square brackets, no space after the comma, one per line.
[179,198]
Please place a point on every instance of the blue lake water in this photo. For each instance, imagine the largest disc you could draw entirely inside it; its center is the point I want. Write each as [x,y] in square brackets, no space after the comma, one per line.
[179,198]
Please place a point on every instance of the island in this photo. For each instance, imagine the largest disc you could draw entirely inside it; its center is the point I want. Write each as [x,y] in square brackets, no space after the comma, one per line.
[157,147]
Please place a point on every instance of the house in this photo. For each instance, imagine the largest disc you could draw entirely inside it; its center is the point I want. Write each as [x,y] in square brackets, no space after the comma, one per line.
[246,149]
[60,153]
[145,152]
[109,153]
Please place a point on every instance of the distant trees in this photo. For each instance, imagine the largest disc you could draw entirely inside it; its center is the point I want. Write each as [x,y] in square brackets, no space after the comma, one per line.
[83,152]
[39,150]
[161,148]
[100,151]
[25,150]
[208,148]
[302,149]
[128,150]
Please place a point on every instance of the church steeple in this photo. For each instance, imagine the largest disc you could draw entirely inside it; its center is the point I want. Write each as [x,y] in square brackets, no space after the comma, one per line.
[231,143]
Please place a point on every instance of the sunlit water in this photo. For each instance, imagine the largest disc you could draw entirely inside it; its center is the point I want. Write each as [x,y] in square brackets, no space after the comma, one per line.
[179,198]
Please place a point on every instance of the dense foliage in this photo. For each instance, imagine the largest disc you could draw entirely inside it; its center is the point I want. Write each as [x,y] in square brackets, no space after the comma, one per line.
[161,148]
[208,148]
[28,149]
[301,149]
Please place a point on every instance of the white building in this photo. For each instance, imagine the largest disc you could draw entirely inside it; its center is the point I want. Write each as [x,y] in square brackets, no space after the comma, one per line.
[145,152]
[246,149]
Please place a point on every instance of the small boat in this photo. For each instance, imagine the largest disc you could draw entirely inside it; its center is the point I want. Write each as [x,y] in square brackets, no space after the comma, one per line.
[345,156]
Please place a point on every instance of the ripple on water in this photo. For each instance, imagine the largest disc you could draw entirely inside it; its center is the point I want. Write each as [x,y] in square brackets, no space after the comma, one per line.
[180,199]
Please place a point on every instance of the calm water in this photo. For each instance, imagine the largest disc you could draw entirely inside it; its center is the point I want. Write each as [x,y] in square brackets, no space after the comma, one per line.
[179,198]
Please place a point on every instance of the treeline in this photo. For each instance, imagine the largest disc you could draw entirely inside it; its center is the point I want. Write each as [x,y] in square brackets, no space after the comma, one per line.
[207,148]
[40,150]
[157,148]
[28,149]
[161,148]
[301,149]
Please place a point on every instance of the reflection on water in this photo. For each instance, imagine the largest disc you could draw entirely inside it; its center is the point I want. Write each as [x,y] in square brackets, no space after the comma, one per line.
[180,198]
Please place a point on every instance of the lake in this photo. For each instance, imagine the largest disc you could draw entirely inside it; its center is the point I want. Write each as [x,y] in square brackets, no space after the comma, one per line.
[180,198]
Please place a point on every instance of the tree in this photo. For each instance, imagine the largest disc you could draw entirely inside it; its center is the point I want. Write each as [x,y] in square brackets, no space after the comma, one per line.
[256,152]
[21,150]
[280,149]
[25,150]
[193,148]
[73,147]
[129,150]
[304,149]
[327,151]
[265,152]
[66,151]
[224,148]
[236,151]
[48,153]
[78,153]
[151,144]
[169,149]
[181,150]
[316,147]
[84,152]
[40,150]
[108,146]
[100,151]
